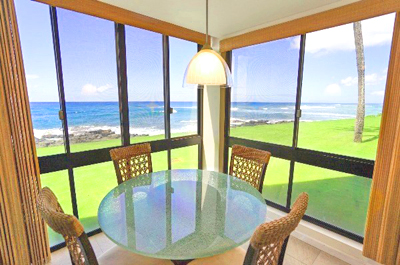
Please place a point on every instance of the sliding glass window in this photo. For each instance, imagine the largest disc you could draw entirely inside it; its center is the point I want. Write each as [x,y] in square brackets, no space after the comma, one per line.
[77,91]
[336,198]
[336,78]
[90,80]
[144,60]
[145,84]
[331,83]
[264,91]
[263,103]
[183,98]
[38,55]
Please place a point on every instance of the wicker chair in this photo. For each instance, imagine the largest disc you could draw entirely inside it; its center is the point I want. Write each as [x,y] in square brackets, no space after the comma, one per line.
[131,161]
[268,243]
[78,244]
[249,164]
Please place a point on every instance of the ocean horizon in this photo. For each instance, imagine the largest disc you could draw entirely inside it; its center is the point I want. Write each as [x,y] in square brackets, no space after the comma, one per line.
[147,118]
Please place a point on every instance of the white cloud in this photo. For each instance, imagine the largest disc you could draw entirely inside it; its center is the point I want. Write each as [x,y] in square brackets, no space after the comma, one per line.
[333,90]
[371,79]
[90,90]
[378,93]
[30,77]
[349,81]
[376,31]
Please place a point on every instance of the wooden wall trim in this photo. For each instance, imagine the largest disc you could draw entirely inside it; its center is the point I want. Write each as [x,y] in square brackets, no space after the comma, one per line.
[13,250]
[335,17]
[123,16]
[382,234]
[23,238]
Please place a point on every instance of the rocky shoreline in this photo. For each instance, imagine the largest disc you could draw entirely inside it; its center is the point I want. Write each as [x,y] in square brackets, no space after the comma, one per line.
[81,137]
[100,135]
[241,123]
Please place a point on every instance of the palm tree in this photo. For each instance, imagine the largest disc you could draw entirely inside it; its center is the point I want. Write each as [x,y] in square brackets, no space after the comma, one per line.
[359,126]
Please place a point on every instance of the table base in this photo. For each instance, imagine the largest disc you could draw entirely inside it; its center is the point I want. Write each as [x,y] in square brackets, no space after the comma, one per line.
[182,262]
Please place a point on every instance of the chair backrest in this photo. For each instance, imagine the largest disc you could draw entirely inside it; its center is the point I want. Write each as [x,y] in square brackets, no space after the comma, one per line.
[80,249]
[131,161]
[267,241]
[249,164]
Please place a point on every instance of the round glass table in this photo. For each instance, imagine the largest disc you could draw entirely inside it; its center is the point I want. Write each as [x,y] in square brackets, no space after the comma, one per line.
[181,215]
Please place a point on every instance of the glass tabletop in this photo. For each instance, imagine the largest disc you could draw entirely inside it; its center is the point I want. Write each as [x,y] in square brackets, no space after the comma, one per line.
[181,214]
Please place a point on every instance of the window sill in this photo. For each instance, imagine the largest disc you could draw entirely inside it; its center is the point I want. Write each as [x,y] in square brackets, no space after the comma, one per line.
[334,244]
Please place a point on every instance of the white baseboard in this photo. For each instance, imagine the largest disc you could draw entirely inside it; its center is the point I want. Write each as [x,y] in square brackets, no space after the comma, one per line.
[334,244]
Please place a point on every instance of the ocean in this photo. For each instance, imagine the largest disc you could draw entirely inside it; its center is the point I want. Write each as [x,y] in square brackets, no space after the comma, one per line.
[147,118]
[244,112]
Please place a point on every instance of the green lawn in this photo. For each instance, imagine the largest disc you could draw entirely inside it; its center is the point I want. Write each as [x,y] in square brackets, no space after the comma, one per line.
[93,182]
[337,198]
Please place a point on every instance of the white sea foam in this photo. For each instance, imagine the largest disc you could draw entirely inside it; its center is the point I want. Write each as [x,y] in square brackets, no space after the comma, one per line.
[285,108]
[80,130]
[185,129]
[83,129]
[173,111]
[329,114]
[234,109]
[146,130]
[76,130]
[192,107]
[238,121]
[317,107]
[39,133]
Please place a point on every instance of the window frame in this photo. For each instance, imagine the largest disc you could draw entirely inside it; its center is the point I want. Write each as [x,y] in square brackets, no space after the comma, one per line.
[69,161]
[346,164]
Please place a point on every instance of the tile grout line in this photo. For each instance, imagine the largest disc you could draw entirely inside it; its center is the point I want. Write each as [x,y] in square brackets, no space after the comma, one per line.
[317,257]
[295,259]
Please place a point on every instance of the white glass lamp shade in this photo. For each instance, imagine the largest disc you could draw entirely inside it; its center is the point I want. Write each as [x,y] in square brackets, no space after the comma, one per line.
[207,67]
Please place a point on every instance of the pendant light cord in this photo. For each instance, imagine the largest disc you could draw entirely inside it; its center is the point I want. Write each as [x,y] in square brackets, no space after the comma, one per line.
[206,22]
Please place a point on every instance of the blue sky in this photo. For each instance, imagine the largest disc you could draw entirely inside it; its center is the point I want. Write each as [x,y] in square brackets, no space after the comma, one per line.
[265,72]
[88,58]
[268,72]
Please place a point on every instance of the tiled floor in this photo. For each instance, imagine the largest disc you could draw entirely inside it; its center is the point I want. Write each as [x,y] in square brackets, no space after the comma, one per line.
[297,253]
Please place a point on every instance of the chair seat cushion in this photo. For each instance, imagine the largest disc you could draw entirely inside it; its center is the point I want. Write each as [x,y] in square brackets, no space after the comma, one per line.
[120,256]
[231,257]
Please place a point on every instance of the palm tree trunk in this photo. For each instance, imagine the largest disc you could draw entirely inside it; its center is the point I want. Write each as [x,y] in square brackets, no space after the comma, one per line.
[359,126]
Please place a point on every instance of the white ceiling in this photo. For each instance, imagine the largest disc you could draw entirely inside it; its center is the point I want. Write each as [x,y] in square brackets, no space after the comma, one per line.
[227,17]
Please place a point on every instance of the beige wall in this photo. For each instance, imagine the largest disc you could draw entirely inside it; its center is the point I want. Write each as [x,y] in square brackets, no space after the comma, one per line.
[211,134]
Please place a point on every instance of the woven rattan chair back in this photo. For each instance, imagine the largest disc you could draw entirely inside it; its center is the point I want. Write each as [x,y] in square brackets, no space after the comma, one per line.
[249,164]
[268,243]
[131,161]
[80,249]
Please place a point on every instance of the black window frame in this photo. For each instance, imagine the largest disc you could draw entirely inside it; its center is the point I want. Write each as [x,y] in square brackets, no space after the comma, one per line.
[70,160]
[347,164]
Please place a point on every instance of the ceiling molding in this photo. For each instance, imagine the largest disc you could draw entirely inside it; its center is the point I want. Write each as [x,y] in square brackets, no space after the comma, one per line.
[335,17]
[126,17]
[293,17]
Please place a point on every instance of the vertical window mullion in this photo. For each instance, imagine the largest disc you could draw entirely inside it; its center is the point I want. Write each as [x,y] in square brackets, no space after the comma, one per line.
[120,48]
[63,109]
[228,99]
[200,100]
[297,115]
[167,95]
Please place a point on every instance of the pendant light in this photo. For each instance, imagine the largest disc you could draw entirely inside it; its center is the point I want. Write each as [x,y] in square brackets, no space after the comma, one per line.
[207,67]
